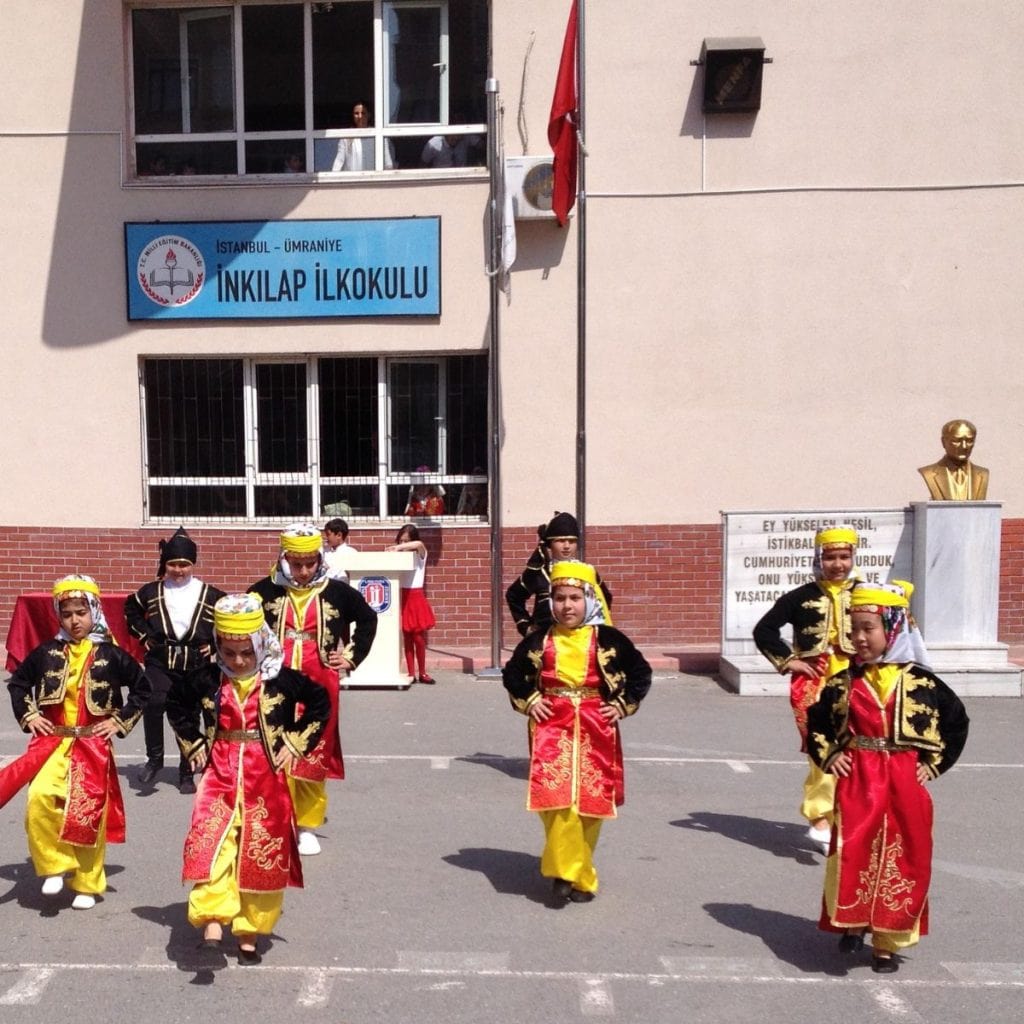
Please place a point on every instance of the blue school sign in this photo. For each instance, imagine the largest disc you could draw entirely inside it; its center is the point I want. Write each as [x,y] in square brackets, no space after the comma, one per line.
[202,270]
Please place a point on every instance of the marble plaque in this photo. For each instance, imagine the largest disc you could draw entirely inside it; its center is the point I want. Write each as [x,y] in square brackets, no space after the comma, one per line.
[766,554]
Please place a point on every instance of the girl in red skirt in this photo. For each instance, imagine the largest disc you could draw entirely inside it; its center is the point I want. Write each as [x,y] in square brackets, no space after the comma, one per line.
[417,615]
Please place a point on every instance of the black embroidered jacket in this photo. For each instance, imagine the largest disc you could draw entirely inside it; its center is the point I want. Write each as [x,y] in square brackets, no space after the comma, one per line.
[147,617]
[197,694]
[808,610]
[929,717]
[625,673]
[339,604]
[41,680]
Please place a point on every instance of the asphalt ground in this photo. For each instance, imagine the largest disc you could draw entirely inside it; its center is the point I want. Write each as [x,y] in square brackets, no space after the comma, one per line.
[427,906]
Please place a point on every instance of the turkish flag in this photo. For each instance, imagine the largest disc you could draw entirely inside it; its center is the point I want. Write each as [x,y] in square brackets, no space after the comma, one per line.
[562,126]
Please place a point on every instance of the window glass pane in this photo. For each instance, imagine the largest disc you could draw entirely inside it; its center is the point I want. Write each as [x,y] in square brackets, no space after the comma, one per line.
[348,417]
[349,500]
[467,61]
[356,154]
[440,151]
[165,42]
[285,501]
[187,501]
[194,417]
[273,68]
[466,415]
[414,416]
[414,91]
[342,62]
[281,432]
[156,159]
[275,156]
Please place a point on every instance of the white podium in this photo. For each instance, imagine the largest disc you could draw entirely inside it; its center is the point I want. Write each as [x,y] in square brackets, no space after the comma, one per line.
[377,575]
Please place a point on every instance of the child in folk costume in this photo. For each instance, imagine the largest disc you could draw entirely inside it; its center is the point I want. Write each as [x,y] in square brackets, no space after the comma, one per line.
[819,613]
[259,720]
[417,615]
[311,615]
[575,681]
[173,617]
[68,695]
[885,726]
[558,540]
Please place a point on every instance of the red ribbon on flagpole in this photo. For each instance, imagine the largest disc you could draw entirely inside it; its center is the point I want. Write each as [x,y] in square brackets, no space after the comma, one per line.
[562,125]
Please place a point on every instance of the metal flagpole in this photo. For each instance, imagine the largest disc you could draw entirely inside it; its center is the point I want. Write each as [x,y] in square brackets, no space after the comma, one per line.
[581,283]
[494,220]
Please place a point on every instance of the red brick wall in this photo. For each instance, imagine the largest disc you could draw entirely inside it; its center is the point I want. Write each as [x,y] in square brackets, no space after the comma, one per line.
[666,580]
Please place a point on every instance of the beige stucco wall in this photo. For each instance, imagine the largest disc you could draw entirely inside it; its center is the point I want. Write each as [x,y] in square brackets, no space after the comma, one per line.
[782,309]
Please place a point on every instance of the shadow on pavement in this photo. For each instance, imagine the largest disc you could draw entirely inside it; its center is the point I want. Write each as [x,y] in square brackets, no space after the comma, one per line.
[779,838]
[514,767]
[26,890]
[509,871]
[794,940]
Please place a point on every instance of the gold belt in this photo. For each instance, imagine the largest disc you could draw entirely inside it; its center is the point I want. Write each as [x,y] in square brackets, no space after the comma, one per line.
[74,731]
[573,692]
[874,743]
[298,634]
[237,735]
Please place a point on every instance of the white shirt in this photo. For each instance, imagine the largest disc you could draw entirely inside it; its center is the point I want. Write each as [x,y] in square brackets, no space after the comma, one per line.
[181,601]
[357,155]
[336,560]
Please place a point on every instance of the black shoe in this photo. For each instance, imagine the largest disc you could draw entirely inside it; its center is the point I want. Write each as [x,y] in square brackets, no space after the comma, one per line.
[851,942]
[149,773]
[561,888]
[884,964]
[249,957]
[579,896]
[186,784]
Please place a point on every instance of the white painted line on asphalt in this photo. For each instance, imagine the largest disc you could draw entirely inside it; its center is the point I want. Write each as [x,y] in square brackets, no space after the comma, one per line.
[28,989]
[494,966]
[740,767]
[722,968]
[316,989]
[595,999]
[1008,879]
[459,963]
[895,1005]
[987,974]
[440,763]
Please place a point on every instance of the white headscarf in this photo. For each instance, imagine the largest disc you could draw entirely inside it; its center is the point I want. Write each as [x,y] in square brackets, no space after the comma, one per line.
[86,589]
[242,615]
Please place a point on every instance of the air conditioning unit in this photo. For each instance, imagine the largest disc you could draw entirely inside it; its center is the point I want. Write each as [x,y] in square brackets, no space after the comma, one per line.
[530,179]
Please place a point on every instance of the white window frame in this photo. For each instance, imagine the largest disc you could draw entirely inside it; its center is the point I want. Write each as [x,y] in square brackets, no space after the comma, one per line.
[380,132]
[255,477]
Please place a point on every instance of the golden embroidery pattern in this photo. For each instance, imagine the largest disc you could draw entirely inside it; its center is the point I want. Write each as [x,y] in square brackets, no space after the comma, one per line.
[882,878]
[591,777]
[554,774]
[263,849]
[81,808]
[205,838]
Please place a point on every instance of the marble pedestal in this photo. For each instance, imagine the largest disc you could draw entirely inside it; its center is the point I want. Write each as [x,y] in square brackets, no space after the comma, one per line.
[956,596]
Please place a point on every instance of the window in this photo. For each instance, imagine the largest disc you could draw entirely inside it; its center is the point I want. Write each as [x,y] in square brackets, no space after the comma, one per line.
[252,440]
[265,89]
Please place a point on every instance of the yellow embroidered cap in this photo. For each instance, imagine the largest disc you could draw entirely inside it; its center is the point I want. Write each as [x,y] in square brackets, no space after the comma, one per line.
[301,539]
[573,574]
[895,595]
[836,536]
[238,615]
[75,586]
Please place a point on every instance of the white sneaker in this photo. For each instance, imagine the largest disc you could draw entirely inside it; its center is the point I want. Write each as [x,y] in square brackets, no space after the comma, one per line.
[309,845]
[84,901]
[53,885]
[821,837]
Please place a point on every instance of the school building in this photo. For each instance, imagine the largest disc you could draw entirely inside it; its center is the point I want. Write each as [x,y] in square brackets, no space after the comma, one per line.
[233,302]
